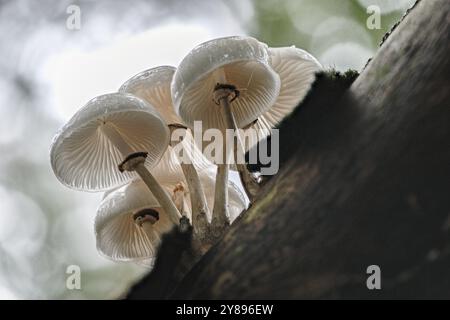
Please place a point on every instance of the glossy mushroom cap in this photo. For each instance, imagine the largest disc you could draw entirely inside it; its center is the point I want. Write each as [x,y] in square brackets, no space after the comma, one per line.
[83,158]
[118,236]
[243,62]
[153,86]
[297,70]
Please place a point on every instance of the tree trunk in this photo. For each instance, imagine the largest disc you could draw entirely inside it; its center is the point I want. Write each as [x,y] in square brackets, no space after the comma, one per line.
[364,180]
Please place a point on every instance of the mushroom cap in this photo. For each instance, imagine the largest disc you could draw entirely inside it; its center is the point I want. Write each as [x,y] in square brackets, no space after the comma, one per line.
[83,158]
[153,86]
[297,70]
[118,237]
[240,61]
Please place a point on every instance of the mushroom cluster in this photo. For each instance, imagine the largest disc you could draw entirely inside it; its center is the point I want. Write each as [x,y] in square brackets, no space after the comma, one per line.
[138,144]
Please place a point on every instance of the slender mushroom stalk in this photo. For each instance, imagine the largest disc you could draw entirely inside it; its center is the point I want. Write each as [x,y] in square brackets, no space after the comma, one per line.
[224,95]
[136,164]
[220,215]
[199,206]
[200,209]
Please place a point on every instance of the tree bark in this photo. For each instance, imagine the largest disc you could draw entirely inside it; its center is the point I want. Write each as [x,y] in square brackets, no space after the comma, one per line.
[364,180]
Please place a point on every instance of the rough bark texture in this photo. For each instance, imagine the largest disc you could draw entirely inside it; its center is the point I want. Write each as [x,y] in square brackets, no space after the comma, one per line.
[365,181]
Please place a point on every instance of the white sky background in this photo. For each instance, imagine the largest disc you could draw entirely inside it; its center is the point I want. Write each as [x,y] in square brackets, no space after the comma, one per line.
[48,72]
[77,72]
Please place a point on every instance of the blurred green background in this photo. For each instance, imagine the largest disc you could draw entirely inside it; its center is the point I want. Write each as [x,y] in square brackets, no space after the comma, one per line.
[48,71]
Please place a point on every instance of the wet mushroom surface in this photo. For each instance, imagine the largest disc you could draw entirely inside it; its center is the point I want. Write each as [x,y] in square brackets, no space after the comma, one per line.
[139,145]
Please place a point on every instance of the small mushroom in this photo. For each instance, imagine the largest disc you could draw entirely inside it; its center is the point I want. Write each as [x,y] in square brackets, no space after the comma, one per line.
[130,223]
[236,64]
[108,140]
[225,83]
[153,86]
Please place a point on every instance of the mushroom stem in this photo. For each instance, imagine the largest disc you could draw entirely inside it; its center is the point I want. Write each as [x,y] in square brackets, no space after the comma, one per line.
[200,210]
[155,188]
[199,206]
[251,186]
[159,193]
[220,217]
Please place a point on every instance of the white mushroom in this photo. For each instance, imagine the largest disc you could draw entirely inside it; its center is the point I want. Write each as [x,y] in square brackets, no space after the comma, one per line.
[225,83]
[111,135]
[153,85]
[242,62]
[130,223]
